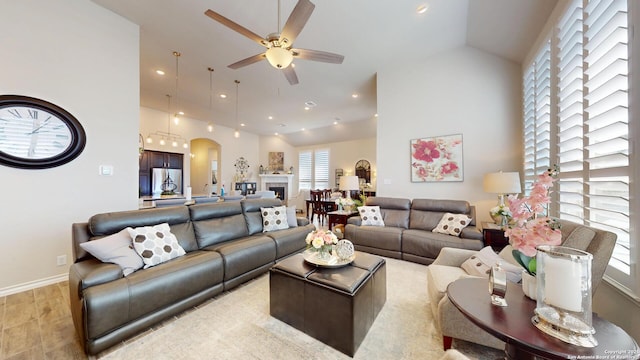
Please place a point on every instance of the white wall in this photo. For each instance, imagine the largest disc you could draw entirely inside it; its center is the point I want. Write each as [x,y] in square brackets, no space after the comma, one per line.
[83,58]
[231,149]
[463,91]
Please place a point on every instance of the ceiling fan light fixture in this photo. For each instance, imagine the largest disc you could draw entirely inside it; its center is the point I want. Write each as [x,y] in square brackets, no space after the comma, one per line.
[278,57]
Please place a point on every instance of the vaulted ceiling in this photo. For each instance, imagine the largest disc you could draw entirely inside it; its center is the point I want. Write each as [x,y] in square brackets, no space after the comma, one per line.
[370,34]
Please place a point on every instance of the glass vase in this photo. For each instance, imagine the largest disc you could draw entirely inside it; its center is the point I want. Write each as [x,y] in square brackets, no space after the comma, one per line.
[324,252]
[563,307]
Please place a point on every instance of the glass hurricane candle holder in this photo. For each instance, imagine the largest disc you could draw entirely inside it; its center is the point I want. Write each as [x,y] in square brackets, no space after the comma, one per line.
[563,307]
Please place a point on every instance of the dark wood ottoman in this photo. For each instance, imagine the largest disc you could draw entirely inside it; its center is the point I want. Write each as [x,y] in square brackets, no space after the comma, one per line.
[334,305]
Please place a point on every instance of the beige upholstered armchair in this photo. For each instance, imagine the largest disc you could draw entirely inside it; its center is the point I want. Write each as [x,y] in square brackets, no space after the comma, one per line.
[447,268]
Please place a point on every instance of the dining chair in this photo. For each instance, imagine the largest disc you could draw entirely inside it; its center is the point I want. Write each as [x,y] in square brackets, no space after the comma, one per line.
[317,205]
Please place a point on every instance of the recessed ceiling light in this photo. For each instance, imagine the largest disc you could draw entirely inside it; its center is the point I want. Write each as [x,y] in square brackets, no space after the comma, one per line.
[276,134]
[159,72]
[302,129]
[335,122]
[242,124]
[422,8]
[223,96]
[181,112]
[270,117]
[307,108]
[375,115]
[354,95]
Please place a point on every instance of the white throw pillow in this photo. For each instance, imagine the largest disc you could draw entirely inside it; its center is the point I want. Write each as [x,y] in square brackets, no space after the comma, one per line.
[371,215]
[452,224]
[480,264]
[291,216]
[116,248]
[274,218]
[155,244]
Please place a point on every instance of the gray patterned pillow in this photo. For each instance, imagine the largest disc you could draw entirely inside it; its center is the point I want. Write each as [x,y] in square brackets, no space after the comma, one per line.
[371,216]
[155,244]
[274,218]
[117,249]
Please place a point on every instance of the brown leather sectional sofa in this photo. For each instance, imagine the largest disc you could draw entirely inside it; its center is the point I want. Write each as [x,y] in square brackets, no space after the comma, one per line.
[407,233]
[224,246]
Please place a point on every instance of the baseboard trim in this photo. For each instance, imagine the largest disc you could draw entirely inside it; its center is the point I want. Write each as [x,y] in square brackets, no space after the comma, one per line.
[33,284]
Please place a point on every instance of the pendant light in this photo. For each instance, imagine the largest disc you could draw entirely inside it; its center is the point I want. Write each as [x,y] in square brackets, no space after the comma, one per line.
[236,134]
[210,124]
[176,120]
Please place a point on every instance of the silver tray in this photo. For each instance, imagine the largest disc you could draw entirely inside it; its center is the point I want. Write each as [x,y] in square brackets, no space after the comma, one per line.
[333,262]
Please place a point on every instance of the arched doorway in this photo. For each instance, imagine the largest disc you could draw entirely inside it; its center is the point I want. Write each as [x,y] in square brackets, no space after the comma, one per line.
[205,166]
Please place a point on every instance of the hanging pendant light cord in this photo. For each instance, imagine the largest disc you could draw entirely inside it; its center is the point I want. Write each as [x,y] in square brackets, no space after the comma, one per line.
[169,115]
[177,55]
[237,83]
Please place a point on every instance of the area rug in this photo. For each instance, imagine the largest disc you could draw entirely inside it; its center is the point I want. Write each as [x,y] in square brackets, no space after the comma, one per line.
[237,325]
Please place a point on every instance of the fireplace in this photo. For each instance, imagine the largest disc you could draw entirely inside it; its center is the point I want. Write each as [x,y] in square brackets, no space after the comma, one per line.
[282,184]
[281,191]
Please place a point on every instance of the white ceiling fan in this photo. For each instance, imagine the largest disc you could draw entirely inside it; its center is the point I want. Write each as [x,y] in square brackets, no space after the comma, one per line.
[280,52]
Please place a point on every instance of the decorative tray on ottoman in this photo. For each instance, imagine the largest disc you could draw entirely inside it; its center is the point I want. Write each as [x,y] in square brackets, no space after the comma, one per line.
[332,262]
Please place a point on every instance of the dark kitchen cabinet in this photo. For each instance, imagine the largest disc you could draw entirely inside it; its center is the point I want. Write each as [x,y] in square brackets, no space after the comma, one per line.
[159,159]
[155,159]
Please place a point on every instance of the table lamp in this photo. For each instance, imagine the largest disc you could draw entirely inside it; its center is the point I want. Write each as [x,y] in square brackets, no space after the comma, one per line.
[502,183]
[348,183]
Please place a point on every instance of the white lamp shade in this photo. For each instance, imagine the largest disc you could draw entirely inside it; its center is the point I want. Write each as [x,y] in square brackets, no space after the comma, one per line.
[279,58]
[348,183]
[502,183]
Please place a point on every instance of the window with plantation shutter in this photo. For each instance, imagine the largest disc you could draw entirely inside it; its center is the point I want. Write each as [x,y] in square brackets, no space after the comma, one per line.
[607,125]
[321,176]
[305,163]
[582,125]
[537,116]
[570,119]
[314,169]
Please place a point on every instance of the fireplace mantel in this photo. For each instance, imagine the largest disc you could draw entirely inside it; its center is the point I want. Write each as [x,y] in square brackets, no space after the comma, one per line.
[266,179]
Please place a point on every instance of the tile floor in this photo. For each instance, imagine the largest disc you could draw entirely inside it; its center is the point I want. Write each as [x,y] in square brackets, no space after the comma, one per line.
[37,324]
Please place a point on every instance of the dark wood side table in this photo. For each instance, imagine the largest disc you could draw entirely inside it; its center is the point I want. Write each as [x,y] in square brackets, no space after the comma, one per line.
[339,217]
[512,324]
[494,236]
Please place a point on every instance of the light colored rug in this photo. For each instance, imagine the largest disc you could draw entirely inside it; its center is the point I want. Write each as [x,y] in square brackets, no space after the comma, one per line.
[237,325]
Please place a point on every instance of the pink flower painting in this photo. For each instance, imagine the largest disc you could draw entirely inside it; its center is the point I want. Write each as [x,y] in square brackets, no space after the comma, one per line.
[436,159]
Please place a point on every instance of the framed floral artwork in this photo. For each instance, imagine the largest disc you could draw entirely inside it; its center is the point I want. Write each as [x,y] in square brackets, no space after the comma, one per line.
[437,159]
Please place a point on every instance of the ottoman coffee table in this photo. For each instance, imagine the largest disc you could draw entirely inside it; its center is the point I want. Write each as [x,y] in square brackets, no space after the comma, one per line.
[334,305]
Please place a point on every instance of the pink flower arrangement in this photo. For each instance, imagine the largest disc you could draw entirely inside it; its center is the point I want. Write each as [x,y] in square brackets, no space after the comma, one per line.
[321,240]
[529,229]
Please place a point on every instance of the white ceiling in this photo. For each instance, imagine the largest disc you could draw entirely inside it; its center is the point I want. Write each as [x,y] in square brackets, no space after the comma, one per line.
[370,35]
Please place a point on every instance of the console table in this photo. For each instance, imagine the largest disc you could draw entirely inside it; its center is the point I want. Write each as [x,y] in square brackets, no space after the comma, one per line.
[512,324]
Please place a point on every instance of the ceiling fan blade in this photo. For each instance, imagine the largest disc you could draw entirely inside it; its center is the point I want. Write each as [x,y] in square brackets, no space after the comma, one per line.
[236,27]
[296,21]
[248,61]
[316,55]
[290,74]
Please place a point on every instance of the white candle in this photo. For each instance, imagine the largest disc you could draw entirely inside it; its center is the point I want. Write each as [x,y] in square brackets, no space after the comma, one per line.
[187,192]
[563,279]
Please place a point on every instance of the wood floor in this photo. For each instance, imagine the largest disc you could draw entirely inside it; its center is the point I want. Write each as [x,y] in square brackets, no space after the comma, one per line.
[36,324]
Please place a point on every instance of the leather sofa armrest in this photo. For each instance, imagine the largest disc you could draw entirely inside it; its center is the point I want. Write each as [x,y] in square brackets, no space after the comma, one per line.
[453,256]
[93,272]
[302,221]
[472,232]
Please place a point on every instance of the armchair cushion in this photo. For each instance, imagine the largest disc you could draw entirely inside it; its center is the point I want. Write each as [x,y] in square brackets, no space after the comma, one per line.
[116,248]
[480,264]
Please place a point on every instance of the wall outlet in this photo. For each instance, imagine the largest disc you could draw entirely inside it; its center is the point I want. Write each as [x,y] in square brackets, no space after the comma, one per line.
[61,260]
